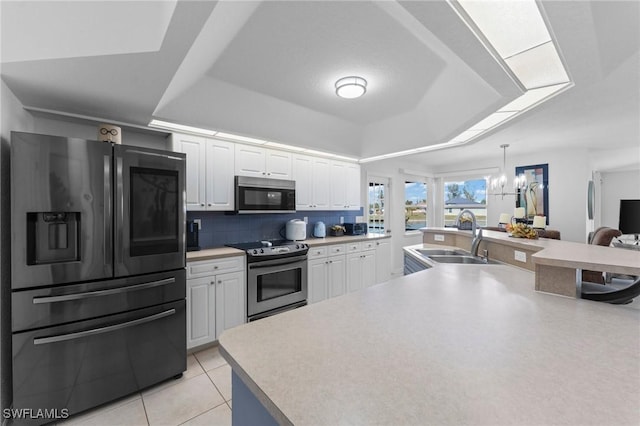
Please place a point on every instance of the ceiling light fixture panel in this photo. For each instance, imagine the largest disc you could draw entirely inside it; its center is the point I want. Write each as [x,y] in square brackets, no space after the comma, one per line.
[351,87]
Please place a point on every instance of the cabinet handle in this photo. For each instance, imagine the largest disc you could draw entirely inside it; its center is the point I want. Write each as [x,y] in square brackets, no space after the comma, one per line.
[269,174]
[215,267]
[337,250]
[209,204]
[202,204]
[219,281]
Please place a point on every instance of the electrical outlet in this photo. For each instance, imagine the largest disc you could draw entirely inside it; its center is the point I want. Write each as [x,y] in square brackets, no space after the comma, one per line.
[198,222]
[438,237]
[341,219]
[520,256]
[306,219]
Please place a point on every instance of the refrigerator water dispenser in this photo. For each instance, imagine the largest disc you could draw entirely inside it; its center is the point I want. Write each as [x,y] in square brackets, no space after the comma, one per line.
[53,237]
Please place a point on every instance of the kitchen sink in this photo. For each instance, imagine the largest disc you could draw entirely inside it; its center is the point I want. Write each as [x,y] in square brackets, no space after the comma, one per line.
[442,252]
[463,259]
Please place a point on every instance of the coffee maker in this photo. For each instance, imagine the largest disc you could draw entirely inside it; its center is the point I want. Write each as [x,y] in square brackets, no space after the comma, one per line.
[193,241]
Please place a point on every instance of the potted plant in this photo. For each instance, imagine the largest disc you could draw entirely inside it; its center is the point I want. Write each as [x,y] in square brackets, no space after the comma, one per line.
[336,230]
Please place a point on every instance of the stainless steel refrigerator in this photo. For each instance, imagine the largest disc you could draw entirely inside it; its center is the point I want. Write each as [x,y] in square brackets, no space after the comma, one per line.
[98,271]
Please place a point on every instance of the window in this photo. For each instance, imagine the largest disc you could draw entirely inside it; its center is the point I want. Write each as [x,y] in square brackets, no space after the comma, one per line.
[465,195]
[415,205]
[378,215]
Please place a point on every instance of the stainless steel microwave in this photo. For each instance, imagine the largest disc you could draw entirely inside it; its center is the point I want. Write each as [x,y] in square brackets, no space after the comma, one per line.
[264,195]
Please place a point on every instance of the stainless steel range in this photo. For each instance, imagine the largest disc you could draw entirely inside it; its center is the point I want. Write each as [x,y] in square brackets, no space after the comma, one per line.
[276,276]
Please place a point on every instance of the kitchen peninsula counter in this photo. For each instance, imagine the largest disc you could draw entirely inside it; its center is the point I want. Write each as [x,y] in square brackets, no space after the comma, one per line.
[454,344]
[554,261]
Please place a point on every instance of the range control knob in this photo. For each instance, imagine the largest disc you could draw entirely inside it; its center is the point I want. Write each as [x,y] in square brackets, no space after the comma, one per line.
[261,250]
[255,252]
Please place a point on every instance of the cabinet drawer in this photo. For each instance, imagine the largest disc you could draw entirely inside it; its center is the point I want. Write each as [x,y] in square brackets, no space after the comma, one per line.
[337,249]
[210,267]
[353,247]
[316,252]
[368,245]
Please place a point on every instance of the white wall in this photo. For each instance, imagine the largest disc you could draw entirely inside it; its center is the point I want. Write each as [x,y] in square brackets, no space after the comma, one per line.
[616,186]
[12,117]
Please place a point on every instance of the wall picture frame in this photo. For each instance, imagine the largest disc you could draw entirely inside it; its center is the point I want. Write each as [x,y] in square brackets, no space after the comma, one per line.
[535,196]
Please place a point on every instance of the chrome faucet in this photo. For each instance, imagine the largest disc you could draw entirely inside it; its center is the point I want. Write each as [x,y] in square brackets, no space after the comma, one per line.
[476,238]
[473,221]
[475,244]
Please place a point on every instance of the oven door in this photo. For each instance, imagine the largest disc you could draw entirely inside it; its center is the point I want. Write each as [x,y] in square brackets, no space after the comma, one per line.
[273,284]
[150,210]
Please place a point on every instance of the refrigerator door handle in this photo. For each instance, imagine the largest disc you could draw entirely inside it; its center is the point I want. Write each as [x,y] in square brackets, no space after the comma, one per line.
[101,330]
[119,208]
[98,293]
[108,237]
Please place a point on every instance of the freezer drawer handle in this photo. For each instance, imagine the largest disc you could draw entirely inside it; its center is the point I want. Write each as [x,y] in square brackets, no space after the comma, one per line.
[97,293]
[81,334]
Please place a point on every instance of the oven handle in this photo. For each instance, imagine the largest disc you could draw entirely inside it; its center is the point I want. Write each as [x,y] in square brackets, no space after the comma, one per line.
[277,262]
[80,334]
[97,293]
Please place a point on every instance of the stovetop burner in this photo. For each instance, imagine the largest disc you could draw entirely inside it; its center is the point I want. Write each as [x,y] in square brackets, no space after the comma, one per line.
[257,250]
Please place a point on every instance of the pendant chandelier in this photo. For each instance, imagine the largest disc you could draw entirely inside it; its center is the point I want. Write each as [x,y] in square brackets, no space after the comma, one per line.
[499,185]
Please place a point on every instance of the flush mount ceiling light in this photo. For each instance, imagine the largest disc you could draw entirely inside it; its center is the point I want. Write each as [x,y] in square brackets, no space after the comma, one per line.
[351,87]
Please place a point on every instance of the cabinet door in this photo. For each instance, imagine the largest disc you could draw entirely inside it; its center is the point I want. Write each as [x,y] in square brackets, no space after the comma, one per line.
[337,275]
[230,301]
[352,186]
[368,262]
[250,161]
[220,172]
[195,149]
[317,280]
[321,184]
[278,164]
[201,300]
[302,173]
[383,260]
[354,273]
[338,185]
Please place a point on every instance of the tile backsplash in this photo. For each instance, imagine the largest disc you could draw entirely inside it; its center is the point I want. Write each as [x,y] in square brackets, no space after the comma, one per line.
[220,228]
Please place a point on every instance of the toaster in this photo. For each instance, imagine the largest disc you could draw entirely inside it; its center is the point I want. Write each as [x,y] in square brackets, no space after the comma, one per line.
[355,228]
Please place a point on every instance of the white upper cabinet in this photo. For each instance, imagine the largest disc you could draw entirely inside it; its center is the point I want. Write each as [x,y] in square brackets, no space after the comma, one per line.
[219,165]
[313,188]
[209,175]
[345,186]
[256,161]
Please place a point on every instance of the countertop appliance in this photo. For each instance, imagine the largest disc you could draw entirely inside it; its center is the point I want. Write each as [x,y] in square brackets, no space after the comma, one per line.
[296,230]
[264,195]
[319,230]
[98,270]
[355,228]
[193,236]
[276,276]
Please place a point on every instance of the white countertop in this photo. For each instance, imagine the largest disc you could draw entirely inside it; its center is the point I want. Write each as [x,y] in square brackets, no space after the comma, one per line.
[220,252]
[450,345]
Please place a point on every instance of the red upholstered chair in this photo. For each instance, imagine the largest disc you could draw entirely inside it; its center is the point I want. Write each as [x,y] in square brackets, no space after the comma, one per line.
[601,237]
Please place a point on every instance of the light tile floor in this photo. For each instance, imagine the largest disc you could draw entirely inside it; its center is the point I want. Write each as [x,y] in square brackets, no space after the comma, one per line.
[202,396]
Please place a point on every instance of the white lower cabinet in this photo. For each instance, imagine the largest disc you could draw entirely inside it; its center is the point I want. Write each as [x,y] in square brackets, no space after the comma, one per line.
[361,269]
[216,298]
[326,276]
[334,270]
[383,260]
